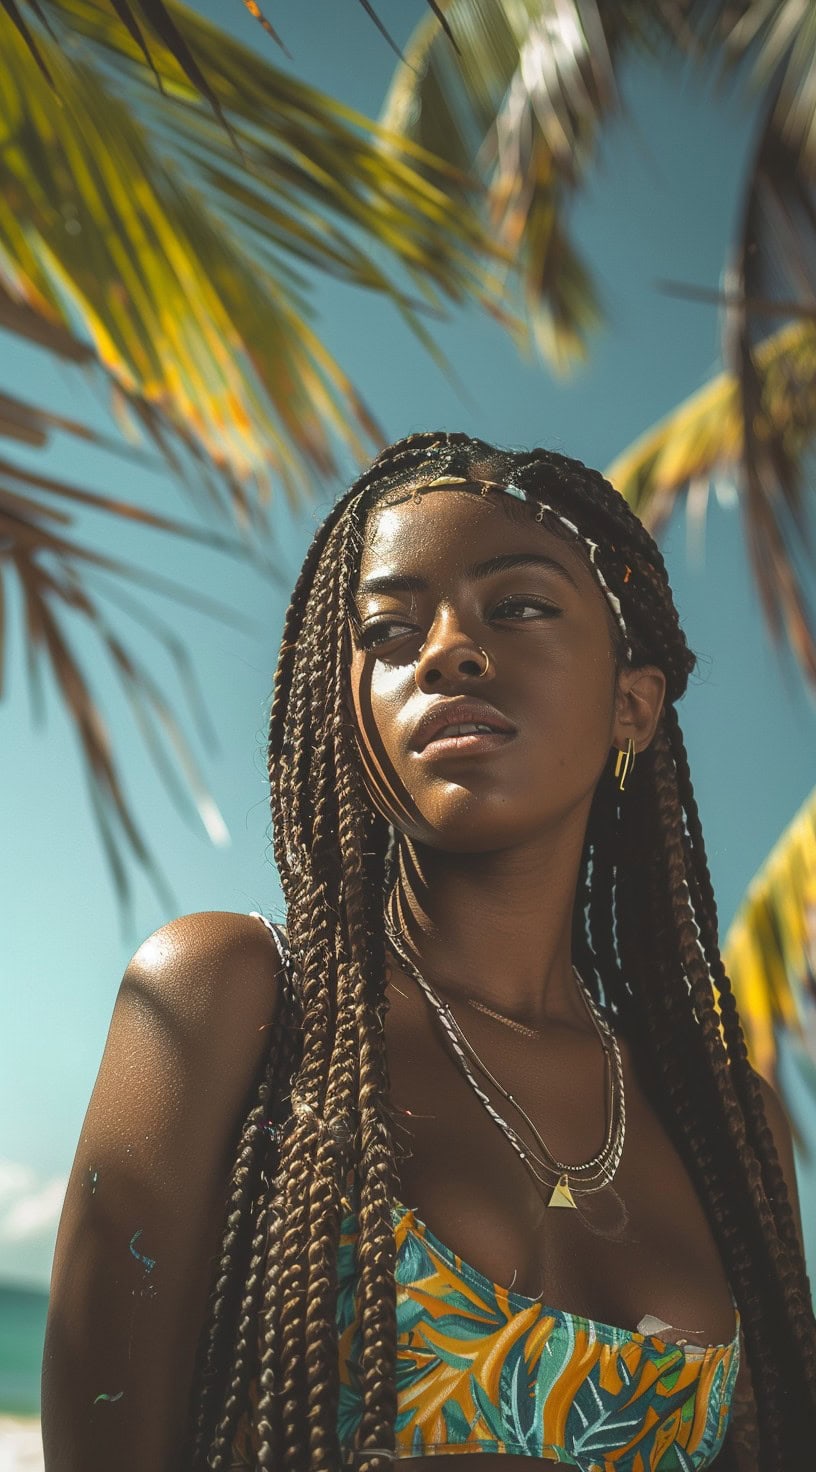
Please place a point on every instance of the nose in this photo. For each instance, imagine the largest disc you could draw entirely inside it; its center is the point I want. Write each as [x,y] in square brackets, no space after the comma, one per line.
[449,656]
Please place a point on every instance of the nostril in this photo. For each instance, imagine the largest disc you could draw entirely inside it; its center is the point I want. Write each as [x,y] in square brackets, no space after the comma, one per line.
[470,667]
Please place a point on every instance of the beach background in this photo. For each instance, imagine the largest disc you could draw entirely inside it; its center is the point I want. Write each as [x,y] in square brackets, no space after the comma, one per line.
[22,1326]
[661,206]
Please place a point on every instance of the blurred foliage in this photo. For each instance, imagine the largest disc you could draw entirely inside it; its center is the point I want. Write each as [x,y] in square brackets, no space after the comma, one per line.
[770,949]
[521,102]
[181,254]
[166,196]
[518,102]
[162,220]
[703,441]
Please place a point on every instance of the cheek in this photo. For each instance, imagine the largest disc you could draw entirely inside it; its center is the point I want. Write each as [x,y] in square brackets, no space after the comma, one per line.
[389,691]
[576,708]
[594,697]
[378,693]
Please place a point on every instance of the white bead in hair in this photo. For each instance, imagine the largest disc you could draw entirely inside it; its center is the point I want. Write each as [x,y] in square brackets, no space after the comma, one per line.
[510,489]
[592,547]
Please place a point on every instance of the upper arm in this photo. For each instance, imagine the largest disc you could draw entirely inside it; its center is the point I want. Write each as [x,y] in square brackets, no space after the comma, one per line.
[144,1206]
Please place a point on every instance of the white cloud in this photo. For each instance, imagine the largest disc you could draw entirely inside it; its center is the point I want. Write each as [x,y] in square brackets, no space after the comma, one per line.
[34,1212]
[30,1207]
[15,1179]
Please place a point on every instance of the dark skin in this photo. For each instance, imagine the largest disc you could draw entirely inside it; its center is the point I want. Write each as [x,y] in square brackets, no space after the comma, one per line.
[493,851]
[489,836]
[492,846]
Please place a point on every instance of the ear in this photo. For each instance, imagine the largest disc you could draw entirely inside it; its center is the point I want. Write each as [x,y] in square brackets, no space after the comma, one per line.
[639,700]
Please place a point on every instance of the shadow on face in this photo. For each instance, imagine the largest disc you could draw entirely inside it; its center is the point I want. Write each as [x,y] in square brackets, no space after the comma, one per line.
[464,600]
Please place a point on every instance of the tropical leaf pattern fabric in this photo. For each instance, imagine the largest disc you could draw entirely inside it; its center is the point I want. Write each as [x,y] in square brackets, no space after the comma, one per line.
[480,1368]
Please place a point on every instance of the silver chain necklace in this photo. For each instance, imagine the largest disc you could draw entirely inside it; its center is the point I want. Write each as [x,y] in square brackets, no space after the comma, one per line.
[607,1159]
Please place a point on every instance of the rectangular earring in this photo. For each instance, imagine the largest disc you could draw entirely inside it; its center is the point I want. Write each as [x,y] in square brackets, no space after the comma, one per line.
[626,760]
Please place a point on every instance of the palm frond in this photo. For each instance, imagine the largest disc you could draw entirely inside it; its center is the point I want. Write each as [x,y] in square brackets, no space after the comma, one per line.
[774,261]
[56,586]
[776,255]
[57,579]
[705,439]
[770,949]
[128,221]
[517,103]
[159,18]
[773,44]
[703,436]
[32,425]
[141,240]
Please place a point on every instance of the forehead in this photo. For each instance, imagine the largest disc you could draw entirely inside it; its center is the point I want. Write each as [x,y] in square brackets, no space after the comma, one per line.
[447,528]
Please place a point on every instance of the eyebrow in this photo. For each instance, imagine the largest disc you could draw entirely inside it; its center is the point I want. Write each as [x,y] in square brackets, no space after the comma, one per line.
[408,583]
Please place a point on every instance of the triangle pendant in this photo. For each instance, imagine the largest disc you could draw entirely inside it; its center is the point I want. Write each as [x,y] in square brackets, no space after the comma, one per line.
[562,1195]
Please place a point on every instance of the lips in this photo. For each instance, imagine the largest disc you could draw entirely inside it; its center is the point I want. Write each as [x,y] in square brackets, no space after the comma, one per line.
[446,716]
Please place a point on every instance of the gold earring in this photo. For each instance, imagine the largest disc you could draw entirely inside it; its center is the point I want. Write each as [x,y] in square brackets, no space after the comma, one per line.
[626,759]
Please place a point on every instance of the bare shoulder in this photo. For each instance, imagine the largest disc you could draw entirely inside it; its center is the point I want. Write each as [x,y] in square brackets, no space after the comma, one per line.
[189,1029]
[145,1204]
[203,957]
[198,954]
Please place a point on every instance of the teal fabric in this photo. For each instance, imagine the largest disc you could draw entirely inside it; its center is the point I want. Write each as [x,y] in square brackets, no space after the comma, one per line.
[483,1368]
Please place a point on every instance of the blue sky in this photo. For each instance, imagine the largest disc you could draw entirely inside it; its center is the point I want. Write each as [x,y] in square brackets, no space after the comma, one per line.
[660,205]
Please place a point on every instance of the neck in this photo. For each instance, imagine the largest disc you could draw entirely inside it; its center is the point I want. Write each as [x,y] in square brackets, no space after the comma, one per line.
[496,927]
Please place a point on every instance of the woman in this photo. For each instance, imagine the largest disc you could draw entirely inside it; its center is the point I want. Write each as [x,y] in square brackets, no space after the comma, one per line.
[502,1068]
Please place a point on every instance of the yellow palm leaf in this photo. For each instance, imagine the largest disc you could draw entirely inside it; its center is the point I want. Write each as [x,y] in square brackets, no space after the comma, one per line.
[142,239]
[129,218]
[706,437]
[770,948]
[142,21]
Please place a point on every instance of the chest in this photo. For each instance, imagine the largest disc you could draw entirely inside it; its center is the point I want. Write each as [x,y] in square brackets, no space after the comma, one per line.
[643,1246]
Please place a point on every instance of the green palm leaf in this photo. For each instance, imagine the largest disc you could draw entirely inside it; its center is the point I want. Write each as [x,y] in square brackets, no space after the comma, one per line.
[128,219]
[771,46]
[705,438]
[141,14]
[704,435]
[518,104]
[770,948]
[140,240]
[771,42]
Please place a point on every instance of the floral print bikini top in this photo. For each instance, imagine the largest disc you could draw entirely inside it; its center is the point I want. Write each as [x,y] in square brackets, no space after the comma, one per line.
[481,1368]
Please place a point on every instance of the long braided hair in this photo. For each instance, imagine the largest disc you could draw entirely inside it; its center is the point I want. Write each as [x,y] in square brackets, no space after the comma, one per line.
[645,939]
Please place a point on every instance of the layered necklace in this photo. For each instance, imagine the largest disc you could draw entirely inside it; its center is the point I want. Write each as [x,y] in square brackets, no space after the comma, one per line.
[587,1176]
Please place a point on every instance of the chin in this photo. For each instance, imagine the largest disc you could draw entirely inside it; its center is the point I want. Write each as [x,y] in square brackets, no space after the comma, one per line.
[473,824]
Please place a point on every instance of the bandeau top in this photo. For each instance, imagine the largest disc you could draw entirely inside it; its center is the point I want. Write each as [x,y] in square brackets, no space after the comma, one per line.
[481,1368]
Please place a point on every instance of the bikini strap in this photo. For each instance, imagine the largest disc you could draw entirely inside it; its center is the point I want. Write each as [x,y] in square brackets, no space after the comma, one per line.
[279,937]
[284,953]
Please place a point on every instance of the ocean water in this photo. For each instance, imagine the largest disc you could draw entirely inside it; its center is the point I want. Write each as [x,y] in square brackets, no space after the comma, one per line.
[22,1331]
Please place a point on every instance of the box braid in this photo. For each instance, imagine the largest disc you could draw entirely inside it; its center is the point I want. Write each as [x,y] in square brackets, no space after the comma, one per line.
[644,936]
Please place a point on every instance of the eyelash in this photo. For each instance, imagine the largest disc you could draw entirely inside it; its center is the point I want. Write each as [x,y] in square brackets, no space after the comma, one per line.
[371,636]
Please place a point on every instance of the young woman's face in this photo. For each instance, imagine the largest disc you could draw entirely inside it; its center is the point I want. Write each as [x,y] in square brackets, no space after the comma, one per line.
[442,579]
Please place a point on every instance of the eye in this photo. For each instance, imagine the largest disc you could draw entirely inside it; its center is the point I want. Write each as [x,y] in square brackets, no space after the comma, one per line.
[371,636]
[524,609]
